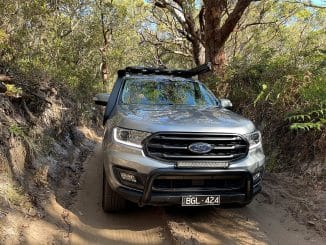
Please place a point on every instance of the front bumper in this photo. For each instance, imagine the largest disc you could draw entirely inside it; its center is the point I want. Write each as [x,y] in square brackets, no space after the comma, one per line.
[148,170]
[156,197]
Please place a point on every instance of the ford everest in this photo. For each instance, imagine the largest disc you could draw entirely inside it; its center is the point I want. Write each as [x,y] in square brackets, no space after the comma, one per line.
[168,140]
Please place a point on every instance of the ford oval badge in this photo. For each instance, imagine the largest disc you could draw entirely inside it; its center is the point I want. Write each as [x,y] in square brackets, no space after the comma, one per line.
[200,147]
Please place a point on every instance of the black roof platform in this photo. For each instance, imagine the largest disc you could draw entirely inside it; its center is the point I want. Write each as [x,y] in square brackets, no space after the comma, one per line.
[163,71]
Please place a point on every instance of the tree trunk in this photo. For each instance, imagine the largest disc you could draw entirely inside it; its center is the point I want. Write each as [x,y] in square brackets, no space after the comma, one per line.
[217,34]
[104,70]
[107,33]
[5,78]
[198,52]
[216,23]
[217,58]
[213,49]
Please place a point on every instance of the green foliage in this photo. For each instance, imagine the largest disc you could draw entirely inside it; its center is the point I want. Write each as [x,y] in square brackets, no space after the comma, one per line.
[20,132]
[13,91]
[60,41]
[275,73]
[14,194]
[3,37]
[308,125]
[261,94]
[315,92]
[315,119]
[279,81]
[17,131]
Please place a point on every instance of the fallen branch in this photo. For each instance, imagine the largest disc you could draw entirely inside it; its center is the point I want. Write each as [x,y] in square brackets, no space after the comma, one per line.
[32,118]
[41,97]
[5,78]
[3,88]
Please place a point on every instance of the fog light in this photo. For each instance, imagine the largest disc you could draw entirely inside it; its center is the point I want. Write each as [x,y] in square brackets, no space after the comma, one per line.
[128,177]
[256,176]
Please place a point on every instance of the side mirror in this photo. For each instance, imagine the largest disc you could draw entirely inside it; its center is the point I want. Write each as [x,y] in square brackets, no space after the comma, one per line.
[101,99]
[226,103]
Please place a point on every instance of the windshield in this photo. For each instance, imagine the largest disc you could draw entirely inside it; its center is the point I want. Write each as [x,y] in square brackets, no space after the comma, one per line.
[166,92]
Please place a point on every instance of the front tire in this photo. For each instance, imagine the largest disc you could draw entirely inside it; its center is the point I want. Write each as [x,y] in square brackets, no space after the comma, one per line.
[111,201]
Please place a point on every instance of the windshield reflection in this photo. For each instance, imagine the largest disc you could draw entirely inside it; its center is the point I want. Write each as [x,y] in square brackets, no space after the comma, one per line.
[138,91]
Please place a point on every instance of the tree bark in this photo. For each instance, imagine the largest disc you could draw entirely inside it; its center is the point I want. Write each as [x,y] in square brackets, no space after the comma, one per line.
[198,52]
[213,11]
[216,33]
[5,78]
[107,33]
[209,38]
[104,69]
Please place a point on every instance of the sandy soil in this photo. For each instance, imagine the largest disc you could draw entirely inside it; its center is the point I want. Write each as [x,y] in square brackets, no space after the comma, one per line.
[73,215]
[258,223]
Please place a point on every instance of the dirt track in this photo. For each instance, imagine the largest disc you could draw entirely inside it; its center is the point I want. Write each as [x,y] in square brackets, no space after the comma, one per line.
[259,223]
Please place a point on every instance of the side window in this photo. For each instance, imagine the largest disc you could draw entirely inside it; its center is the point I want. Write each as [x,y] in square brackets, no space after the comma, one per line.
[207,95]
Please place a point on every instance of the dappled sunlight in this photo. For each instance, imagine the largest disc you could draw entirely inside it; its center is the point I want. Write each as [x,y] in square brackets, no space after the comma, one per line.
[214,226]
[90,134]
[172,133]
[152,225]
[90,224]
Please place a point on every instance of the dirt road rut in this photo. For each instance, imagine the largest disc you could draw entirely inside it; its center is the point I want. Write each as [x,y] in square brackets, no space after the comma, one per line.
[259,223]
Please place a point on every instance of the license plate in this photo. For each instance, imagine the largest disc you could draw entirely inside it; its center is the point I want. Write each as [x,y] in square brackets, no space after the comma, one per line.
[200,200]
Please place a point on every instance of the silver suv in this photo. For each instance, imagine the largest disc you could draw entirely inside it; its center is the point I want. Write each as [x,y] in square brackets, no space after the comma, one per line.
[169,140]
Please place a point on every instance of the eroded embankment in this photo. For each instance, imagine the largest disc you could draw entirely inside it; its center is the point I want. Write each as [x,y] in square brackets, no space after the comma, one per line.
[42,152]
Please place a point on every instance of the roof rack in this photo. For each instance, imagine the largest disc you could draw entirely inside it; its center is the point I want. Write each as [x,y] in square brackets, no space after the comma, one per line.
[163,71]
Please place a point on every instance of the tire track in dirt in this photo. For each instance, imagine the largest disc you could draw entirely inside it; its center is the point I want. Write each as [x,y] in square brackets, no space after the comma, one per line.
[91,225]
[259,223]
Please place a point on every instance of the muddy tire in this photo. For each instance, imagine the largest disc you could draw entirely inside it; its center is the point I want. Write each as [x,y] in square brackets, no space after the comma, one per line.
[111,201]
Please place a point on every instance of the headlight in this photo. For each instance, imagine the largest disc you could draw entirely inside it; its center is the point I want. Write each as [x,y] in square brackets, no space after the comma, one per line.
[254,138]
[129,136]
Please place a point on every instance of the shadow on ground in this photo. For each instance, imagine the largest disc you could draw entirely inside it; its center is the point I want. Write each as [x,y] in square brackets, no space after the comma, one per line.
[153,225]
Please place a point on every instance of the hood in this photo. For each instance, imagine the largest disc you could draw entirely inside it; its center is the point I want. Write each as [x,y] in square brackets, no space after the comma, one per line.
[182,119]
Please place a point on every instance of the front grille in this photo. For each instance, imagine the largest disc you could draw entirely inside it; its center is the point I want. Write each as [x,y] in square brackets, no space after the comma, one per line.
[175,146]
[196,183]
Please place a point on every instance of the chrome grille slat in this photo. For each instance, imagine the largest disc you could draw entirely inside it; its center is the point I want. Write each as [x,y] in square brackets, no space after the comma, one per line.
[167,146]
[197,138]
[229,147]
[174,146]
[197,157]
